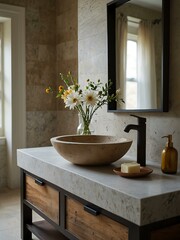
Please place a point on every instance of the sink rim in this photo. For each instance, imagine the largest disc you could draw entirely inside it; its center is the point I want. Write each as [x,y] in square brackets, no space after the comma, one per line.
[59,139]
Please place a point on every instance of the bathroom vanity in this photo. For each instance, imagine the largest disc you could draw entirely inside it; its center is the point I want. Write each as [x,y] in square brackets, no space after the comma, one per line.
[78,202]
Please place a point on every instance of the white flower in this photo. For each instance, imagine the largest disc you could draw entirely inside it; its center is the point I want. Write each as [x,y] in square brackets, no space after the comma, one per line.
[73,99]
[90,97]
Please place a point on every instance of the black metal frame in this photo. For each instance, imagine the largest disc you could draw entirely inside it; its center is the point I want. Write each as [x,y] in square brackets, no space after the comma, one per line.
[111,8]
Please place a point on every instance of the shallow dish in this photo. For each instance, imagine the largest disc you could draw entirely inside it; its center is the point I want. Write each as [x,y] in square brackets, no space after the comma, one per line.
[144,171]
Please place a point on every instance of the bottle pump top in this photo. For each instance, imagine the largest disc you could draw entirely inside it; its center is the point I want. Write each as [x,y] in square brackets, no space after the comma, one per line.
[169,141]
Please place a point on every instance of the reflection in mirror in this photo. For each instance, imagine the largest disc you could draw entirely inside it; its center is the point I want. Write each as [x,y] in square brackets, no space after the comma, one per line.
[139,56]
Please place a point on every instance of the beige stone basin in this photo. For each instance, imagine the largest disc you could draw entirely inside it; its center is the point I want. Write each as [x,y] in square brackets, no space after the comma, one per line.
[91,149]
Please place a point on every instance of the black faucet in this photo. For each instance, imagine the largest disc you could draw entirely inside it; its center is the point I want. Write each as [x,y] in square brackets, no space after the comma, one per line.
[141,138]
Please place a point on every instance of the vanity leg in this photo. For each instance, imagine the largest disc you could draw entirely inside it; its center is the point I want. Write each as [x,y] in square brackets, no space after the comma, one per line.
[26,212]
[139,233]
[26,218]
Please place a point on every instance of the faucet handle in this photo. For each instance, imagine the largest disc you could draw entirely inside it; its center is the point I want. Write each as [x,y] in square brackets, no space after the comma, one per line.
[140,119]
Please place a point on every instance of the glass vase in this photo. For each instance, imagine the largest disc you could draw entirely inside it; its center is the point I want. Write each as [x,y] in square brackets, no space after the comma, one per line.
[83,127]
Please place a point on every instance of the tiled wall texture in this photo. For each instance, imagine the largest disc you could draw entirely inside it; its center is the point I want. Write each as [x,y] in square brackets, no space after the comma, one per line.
[67,58]
[51,47]
[40,70]
[92,61]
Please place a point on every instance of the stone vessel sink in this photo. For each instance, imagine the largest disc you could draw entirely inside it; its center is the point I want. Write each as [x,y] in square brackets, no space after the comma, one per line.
[91,149]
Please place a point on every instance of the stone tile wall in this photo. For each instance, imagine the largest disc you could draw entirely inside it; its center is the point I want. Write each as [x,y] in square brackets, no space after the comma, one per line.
[40,71]
[67,58]
[51,47]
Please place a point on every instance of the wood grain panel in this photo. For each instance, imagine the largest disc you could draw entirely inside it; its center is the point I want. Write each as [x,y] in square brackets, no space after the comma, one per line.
[171,232]
[45,198]
[86,226]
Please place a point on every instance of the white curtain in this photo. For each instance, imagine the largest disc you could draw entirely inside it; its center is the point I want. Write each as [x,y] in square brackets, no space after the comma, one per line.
[147,84]
[121,50]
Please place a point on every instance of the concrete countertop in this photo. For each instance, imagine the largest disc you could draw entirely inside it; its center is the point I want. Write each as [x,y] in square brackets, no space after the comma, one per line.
[141,200]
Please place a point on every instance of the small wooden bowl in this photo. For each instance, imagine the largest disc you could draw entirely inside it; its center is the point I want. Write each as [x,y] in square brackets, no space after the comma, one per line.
[144,171]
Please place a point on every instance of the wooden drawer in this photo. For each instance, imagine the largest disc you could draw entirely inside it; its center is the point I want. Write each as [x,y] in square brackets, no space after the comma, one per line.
[43,197]
[84,225]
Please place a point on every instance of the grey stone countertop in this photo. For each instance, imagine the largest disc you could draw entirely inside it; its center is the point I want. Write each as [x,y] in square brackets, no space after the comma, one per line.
[141,200]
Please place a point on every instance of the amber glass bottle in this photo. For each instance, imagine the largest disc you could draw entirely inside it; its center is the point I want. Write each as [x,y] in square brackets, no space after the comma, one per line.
[169,157]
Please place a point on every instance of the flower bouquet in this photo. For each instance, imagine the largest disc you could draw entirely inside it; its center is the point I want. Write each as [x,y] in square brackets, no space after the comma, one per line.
[86,101]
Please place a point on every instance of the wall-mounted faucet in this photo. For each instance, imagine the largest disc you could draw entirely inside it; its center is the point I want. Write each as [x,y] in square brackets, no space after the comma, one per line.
[141,138]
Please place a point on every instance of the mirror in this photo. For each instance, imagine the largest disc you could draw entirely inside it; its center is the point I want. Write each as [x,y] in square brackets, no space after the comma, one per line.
[138,54]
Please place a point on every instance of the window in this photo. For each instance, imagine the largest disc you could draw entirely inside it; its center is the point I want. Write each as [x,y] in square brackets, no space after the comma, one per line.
[1,82]
[131,64]
[131,74]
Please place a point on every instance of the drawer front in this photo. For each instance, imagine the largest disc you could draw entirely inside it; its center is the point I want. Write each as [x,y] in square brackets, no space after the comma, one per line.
[84,225]
[43,197]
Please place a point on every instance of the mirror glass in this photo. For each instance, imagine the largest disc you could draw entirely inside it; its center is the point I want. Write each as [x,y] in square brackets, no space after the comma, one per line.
[138,53]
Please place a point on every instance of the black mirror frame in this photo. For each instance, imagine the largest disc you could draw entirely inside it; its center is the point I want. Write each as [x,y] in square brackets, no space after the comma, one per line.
[111,10]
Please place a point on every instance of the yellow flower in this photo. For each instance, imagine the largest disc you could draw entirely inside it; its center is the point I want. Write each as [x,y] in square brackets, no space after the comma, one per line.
[66,93]
[61,88]
[47,90]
